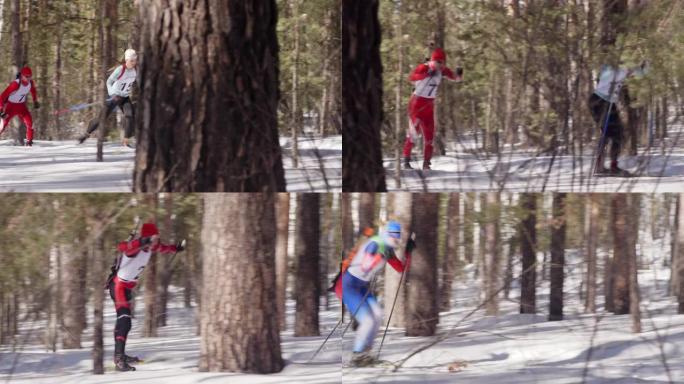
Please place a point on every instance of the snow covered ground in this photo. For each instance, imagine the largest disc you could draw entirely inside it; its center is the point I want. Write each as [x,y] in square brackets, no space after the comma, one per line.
[64,166]
[509,348]
[466,167]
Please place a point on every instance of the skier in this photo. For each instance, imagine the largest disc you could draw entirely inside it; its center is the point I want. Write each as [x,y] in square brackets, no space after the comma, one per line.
[602,102]
[426,79]
[13,102]
[360,302]
[134,257]
[119,86]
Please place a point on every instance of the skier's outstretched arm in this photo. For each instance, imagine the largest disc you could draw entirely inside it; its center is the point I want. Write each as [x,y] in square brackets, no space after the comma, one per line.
[168,248]
[397,264]
[130,248]
[449,74]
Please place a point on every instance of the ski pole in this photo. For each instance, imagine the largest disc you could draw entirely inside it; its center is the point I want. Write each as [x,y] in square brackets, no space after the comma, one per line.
[326,340]
[389,318]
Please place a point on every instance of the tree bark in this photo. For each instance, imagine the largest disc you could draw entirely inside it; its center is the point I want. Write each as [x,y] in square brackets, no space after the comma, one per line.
[282,210]
[362,169]
[492,252]
[527,233]
[150,285]
[207,118]
[633,239]
[98,305]
[307,279]
[621,253]
[238,317]
[422,292]
[451,261]
[556,271]
[366,211]
[591,234]
[73,296]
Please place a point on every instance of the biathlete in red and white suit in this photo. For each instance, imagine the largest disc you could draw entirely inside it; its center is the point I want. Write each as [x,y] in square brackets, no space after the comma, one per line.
[426,79]
[13,102]
[135,256]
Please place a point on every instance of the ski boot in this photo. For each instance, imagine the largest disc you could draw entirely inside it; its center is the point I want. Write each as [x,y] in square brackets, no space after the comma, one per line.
[83,138]
[407,163]
[617,171]
[28,143]
[132,359]
[426,165]
[122,365]
[362,359]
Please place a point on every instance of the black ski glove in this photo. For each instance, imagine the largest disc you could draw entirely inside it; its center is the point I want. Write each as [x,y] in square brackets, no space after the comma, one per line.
[3,114]
[410,245]
[36,105]
[145,241]
[180,246]
[459,71]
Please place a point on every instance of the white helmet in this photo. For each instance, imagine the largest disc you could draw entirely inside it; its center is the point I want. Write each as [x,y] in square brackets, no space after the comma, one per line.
[130,54]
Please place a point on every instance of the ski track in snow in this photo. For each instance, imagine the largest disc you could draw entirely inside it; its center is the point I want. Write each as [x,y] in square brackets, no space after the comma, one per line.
[64,166]
[465,167]
[509,348]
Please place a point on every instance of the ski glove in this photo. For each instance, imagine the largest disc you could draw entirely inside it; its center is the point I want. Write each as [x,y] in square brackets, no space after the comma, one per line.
[36,105]
[459,71]
[410,245]
[180,246]
[145,241]
[3,114]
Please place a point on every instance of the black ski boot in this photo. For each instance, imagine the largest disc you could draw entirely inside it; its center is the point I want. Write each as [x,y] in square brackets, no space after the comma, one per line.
[617,171]
[362,359]
[407,163]
[28,143]
[426,165]
[132,359]
[83,138]
[122,365]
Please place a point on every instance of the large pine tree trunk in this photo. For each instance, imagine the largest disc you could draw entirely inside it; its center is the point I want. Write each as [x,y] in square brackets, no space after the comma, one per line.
[527,233]
[307,280]
[621,253]
[282,210]
[556,271]
[362,169]
[17,60]
[450,261]
[591,234]
[238,317]
[108,15]
[393,292]
[632,240]
[206,118]
[422,289]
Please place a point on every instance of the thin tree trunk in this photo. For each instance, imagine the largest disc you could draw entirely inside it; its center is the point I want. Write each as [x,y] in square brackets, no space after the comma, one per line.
[238,316]
[591,234]
[556,272]
[527,232]
[450,261]
[366,211]
[492,253]
[98,305]
[632,240]
[621,252]
[307,251]
[296,111]
[150,284]
[680,253]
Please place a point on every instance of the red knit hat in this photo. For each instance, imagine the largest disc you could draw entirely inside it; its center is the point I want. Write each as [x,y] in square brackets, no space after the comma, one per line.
[438,55]
[149,230]
[26,72]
